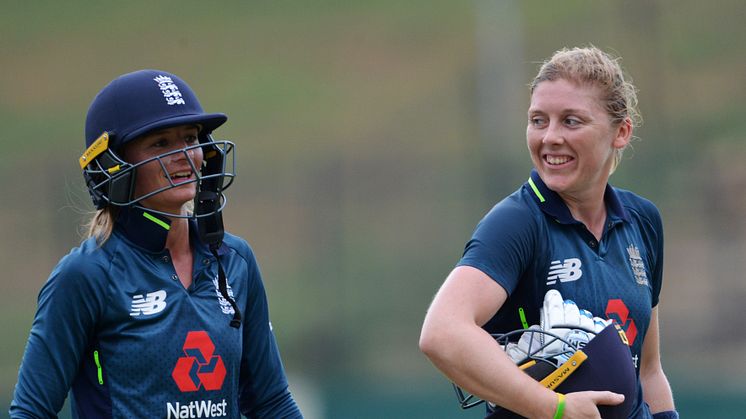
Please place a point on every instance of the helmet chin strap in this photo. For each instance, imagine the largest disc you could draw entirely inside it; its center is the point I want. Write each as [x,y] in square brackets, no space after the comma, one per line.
[211,232]
[207,209]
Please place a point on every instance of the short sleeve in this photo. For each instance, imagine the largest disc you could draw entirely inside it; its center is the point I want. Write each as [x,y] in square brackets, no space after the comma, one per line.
[655,236]
[503,243]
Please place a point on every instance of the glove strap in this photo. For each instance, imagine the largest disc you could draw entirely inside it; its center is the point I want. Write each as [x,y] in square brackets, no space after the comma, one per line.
[560,406]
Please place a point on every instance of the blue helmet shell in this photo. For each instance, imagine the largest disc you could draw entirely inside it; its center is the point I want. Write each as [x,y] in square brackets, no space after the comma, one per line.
[135,103]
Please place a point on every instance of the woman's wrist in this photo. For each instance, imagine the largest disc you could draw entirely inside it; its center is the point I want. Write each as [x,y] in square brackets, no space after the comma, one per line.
[669,414]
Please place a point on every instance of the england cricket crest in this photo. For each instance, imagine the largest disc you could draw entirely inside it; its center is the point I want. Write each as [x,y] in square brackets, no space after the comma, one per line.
[225,306]
[638,266]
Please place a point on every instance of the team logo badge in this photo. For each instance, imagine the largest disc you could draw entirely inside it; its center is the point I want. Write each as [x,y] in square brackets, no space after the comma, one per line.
[565,271]
[150,303]
[199,367]
[170,90]
[225,306]
[638,266]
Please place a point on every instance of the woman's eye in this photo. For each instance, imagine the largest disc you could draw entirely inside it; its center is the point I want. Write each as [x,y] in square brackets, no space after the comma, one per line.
[536,121]
[192,139]
[572,122]
[160,143]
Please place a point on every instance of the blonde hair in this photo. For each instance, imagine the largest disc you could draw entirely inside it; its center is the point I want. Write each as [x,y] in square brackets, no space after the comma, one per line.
[591,66]
[101,224]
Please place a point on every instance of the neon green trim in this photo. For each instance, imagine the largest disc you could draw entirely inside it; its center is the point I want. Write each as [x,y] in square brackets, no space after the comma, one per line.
[523,317]
[98,368]
[536,190]
[157,221]
[560,406]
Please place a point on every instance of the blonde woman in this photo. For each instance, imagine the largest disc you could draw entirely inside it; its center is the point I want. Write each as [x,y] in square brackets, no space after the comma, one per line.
[565,229]
[159,313]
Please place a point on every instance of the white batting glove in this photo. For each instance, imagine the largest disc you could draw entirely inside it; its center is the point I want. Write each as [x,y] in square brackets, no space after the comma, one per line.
[558,313]
[562,318]
[518,352]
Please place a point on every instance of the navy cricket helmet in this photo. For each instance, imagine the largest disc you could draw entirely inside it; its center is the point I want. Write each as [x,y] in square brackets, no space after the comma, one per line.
[133,105]
[602,364]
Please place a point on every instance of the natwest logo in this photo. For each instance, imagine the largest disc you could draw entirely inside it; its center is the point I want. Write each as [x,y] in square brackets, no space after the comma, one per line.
[197,409]
[616,310]
[200,367]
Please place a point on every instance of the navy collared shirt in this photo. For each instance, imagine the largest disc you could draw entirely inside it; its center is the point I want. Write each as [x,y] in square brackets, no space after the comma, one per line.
[529,243]
[131,341]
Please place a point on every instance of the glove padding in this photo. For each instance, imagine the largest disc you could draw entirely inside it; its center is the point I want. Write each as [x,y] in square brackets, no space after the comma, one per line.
[557,313]
[562,318]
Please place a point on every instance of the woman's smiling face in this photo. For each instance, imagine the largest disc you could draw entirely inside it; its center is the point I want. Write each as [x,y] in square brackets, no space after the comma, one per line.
[571,138]
[151,176]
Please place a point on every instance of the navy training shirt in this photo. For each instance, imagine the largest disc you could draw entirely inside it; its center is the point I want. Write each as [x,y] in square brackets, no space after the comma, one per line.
[529,243]
[115,325]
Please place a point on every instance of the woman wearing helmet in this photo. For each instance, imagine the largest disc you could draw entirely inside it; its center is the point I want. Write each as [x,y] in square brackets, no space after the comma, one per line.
[159,312]
[565,229]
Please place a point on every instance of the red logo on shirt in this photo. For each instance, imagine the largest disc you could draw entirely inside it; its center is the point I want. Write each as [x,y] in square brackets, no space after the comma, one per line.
[616,310]
[200,367]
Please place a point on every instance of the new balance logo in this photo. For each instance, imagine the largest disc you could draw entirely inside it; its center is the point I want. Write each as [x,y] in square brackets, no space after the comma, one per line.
[565,271]
[151,303]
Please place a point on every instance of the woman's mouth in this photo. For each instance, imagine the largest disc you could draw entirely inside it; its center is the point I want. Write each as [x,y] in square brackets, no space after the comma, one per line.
[557,160]
[180,177]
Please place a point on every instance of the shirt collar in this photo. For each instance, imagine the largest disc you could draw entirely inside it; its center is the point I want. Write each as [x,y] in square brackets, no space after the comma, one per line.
[552,204]
[149,231]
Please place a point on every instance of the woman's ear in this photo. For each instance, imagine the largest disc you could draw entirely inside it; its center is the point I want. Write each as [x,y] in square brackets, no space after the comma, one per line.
[623,134]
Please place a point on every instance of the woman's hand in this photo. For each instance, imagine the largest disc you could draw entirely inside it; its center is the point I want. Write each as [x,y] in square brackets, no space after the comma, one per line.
[582,404]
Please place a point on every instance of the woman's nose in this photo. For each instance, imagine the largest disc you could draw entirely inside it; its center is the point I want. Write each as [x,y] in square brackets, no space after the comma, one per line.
[553,134]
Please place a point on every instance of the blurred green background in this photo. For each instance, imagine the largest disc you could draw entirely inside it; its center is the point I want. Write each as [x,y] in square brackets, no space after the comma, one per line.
[371,138]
